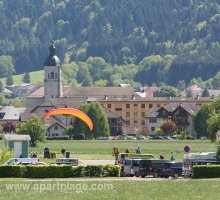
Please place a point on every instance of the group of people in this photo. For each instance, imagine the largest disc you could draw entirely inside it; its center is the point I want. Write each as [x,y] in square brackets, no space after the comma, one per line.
[116,152]
[137,151]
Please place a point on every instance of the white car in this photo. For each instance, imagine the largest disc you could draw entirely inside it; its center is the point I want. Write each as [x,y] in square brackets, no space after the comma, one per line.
[17,161]
[133,138]
[143,137]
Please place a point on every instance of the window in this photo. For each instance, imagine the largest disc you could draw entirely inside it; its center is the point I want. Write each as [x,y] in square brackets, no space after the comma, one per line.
[52,75]
[158,105]
[142,114]
[135,122]
[56,127]
[127,114]
[142,105]
[109,105]
[135,113]
[142,122]
[127,105]
[118,109]
[150,105]
[152,128]
[128,122]
[153,121]
[135,105]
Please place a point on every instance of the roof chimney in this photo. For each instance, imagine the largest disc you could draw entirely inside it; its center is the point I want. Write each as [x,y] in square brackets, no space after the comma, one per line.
[132,97]
[105,98]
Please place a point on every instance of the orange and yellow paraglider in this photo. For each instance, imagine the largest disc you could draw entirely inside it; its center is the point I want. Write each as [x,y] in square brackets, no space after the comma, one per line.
[70,111]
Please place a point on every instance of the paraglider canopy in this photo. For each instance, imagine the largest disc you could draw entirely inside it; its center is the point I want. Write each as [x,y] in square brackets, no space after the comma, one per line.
[70,111]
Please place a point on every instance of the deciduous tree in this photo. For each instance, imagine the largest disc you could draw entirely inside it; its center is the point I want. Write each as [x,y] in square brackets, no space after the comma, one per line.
[34,127]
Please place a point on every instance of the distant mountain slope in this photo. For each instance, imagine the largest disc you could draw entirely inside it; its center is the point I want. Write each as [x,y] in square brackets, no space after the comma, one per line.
[120,31]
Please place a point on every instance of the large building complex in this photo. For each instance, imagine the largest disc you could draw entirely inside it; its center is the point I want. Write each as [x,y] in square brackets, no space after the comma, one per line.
[125,108]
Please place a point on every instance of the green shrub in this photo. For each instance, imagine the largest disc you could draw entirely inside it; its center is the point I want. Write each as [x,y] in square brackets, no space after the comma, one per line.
[5,155]
[48,171]
[206,171]
[12,171]
[93,170]
[77,171]
[112,170]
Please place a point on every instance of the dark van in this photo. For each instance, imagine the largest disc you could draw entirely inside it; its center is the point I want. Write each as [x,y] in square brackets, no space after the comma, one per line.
[174,169]
[149,167]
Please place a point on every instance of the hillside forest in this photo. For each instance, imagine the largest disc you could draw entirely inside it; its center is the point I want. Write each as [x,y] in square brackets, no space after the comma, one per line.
[104,43]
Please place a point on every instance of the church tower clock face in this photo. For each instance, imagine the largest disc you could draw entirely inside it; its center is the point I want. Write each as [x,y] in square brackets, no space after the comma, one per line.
[52,75]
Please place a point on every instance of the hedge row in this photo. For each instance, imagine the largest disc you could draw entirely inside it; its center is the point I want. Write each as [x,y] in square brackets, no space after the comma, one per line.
[206,171]
[58,138]
[59,171]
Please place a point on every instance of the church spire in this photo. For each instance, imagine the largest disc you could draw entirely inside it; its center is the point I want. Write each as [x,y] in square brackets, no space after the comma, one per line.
[52,49]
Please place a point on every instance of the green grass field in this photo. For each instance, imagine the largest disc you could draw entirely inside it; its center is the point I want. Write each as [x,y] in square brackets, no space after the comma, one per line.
[97,149]
[35,77]
[83,189]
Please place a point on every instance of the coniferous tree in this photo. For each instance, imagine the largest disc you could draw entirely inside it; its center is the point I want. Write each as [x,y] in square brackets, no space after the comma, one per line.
[26,78]
[205,93]
[1,87]
[9,80]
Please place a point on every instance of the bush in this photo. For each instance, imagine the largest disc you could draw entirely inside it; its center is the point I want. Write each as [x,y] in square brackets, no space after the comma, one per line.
[12,171]
[112,170]
[78,137]
[77,171]
[93,170]
[48,171]
[5,155]
[206,171]
[58,171]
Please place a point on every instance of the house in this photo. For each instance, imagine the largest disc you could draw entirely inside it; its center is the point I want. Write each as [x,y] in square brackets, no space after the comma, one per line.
[116,123]
[9,117]
[181,113]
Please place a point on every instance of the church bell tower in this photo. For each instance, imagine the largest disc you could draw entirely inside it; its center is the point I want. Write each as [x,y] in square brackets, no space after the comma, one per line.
[52,75]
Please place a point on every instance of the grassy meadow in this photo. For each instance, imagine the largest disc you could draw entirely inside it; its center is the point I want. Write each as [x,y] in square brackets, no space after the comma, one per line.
[35,77]
[102,149]
[128,189]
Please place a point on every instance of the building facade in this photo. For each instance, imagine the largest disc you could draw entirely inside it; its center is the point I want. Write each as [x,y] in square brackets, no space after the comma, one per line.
[123,102]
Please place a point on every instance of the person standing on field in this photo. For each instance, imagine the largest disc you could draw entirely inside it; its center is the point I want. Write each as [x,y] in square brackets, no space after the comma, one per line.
[116,153]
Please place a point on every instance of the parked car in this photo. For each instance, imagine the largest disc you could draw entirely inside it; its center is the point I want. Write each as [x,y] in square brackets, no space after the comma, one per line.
[66,161]
[157,137]
[172,168]
[133,138]
[143,137]
[16,161]
[203,138]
